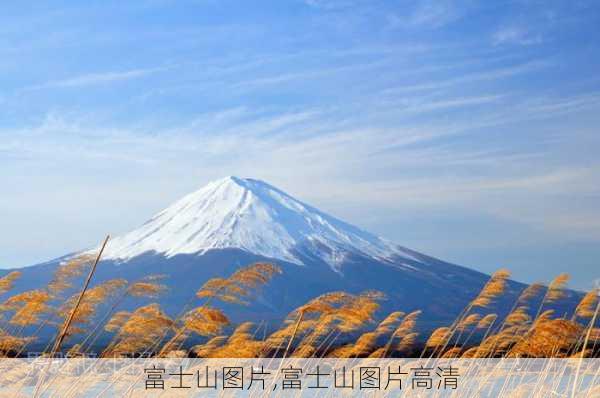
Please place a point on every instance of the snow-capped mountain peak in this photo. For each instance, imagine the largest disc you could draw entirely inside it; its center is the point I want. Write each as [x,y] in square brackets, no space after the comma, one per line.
[253,216]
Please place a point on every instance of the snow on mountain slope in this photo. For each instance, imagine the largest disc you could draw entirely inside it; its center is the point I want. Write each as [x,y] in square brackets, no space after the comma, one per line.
[253,216]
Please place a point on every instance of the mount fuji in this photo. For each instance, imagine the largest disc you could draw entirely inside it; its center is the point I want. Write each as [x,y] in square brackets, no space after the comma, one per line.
[258,218]
[234,222]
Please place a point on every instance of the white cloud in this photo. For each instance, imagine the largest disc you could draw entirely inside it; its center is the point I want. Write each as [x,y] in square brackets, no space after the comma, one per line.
[434,14]
[449,103]
[488,75]
[98,78]
[330,4]
[515,35]
[336,163]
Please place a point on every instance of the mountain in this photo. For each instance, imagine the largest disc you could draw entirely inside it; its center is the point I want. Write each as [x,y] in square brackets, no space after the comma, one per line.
[234,222]
[258,218]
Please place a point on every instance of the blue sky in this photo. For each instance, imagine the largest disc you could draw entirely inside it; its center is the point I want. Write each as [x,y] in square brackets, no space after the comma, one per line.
[466,130]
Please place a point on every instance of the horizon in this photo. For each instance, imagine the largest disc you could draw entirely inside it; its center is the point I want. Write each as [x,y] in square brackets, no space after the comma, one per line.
[467,132]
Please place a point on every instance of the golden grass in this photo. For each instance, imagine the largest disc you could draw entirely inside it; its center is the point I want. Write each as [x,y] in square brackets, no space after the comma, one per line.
[335,324]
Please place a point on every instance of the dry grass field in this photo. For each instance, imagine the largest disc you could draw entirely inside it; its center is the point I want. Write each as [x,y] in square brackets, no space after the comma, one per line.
[336,324]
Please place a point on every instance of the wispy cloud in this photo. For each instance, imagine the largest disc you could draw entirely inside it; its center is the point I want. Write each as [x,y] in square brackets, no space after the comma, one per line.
[450,103]
[434,13]
[493,74]
[331,4]
[515,35]
[98,78]
[552,106]
[306,75]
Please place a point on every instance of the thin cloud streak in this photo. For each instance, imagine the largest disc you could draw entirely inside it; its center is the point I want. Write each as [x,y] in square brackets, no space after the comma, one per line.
[496,74]
[97,78]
